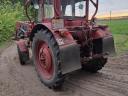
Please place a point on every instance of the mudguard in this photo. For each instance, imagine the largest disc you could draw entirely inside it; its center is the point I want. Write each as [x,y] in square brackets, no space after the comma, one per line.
[22,45]
[104,45]
[108,45]
[70,57]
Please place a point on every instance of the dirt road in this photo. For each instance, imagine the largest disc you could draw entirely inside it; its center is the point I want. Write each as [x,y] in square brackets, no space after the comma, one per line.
[17,80]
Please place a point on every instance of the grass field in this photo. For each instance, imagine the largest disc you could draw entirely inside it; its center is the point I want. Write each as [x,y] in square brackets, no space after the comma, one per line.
[119,28]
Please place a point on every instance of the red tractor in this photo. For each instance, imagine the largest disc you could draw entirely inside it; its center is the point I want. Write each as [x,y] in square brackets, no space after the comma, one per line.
[63,39]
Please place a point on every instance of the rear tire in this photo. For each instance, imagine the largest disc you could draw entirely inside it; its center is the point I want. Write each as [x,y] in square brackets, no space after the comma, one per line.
[23,56]
[45,46]
[95,65]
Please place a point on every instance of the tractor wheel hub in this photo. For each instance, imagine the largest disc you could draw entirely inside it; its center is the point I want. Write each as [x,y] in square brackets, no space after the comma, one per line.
[44,60]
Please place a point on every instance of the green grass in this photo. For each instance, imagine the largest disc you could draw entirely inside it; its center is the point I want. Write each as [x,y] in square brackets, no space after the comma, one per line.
[119,29]
[117,26]
[8,17]
[121,43]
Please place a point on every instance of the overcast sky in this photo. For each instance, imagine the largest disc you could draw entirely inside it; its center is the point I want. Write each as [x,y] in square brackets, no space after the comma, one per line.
[113,5]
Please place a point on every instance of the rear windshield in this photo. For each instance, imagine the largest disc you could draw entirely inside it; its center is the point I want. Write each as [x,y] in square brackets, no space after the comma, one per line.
[73,8]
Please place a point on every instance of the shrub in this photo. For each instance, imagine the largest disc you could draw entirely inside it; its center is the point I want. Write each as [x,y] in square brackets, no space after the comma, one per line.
[9,14]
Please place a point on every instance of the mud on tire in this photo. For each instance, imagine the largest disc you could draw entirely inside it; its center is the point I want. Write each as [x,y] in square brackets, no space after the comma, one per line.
[56,78]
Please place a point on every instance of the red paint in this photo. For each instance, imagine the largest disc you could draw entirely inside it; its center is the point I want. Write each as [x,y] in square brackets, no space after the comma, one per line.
[98,34]
[57,8]
[101,32]
[44,60]
[22,45]
[25,24]
[74,23]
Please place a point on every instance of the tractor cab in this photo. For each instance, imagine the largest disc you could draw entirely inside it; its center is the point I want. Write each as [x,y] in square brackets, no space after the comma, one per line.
[63,13]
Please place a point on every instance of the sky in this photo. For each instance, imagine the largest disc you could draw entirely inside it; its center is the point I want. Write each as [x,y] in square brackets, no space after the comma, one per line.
[117,8]
[112,5]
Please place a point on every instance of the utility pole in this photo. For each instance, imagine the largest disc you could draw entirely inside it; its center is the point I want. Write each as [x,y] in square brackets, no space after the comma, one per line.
[110,16]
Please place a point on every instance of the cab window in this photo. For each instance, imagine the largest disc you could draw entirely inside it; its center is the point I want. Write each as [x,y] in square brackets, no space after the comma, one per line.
[48,9]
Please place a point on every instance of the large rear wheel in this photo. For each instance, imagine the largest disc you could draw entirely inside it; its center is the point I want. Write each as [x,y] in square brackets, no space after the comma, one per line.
[46,59]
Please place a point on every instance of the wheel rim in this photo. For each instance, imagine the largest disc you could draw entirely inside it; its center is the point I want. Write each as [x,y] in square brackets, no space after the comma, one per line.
[44,60]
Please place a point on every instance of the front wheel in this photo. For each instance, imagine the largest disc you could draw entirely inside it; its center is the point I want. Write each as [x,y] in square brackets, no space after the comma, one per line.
[23,56]
[46,59]
[94,65]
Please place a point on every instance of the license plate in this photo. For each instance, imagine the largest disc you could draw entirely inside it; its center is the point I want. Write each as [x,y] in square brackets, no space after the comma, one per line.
[58,23]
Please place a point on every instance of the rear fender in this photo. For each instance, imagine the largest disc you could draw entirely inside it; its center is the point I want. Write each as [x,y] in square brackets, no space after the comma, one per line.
[103,41]
[36,28]
[69,49]
[69,53]
[101,32]
[23,26]
[21,43]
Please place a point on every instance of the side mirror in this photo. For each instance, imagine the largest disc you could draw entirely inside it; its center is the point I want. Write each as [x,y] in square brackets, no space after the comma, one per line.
[35,4]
